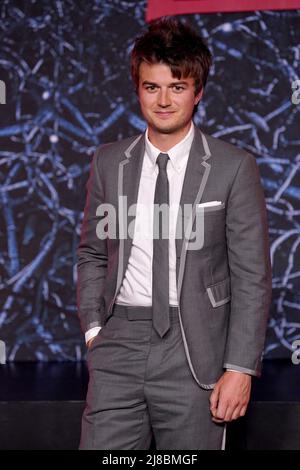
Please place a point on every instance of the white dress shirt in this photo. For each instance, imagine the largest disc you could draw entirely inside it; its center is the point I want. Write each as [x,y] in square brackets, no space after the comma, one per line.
[137,284]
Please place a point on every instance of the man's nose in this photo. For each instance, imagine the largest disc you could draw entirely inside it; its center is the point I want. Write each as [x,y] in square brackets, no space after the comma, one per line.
[164,98]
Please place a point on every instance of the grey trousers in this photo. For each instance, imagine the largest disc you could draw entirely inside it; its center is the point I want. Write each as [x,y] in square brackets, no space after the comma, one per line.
[140,386]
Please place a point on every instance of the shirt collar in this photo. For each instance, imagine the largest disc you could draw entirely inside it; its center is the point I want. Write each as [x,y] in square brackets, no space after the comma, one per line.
[178,153]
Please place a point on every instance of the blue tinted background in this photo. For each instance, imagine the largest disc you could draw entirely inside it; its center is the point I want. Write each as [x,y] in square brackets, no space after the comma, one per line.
[66,67]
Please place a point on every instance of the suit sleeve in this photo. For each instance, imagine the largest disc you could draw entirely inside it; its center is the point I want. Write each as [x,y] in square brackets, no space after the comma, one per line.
[91,254]
[250,269]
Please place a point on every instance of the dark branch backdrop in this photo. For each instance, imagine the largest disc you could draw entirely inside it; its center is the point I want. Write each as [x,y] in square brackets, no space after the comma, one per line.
[68,89]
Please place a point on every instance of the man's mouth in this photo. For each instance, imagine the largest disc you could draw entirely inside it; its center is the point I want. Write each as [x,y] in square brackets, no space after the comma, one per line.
[164,114]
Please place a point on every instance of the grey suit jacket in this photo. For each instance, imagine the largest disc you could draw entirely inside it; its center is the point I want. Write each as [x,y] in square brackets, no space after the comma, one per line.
[224,285]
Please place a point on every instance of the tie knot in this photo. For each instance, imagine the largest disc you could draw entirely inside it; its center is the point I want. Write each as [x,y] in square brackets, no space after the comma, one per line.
[162,161]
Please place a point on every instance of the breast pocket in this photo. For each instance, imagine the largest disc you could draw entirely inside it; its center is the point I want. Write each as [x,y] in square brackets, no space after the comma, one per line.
[208,227]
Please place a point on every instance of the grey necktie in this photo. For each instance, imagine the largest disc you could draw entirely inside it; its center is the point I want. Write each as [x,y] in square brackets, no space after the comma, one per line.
[160,267]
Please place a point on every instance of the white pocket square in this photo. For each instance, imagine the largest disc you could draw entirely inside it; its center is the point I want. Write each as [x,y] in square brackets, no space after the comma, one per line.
[209,204]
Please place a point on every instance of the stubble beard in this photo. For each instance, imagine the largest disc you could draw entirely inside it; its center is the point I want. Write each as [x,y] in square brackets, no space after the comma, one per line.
[170,129]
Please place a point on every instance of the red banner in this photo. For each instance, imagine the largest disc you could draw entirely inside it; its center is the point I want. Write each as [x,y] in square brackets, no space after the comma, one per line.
[158,8]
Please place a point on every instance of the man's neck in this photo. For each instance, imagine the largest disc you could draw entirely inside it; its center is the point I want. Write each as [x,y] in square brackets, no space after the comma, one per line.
[166,141]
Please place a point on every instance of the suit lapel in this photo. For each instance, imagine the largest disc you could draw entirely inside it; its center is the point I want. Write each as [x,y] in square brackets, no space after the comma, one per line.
[130,169]
[195,180]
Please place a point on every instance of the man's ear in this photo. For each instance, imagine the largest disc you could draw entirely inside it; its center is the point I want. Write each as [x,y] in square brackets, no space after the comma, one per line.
[199,96]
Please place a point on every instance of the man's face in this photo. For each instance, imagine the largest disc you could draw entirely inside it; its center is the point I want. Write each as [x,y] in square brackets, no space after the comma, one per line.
[166,103]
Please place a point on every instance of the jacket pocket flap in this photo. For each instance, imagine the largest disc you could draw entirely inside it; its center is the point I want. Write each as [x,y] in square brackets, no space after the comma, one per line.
[219,293]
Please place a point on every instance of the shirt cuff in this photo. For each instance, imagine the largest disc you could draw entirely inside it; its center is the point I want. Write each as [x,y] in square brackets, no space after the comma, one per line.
[89,334]
[239,371]
[244,370]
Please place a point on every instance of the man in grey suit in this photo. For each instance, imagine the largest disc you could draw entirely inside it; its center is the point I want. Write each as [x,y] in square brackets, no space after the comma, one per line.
[175,324]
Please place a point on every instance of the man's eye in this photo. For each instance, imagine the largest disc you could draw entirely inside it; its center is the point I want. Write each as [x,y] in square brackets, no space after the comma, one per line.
[178,88]
[150,87]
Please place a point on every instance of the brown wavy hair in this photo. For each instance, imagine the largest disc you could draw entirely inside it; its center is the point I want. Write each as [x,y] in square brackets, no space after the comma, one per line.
[175,44]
